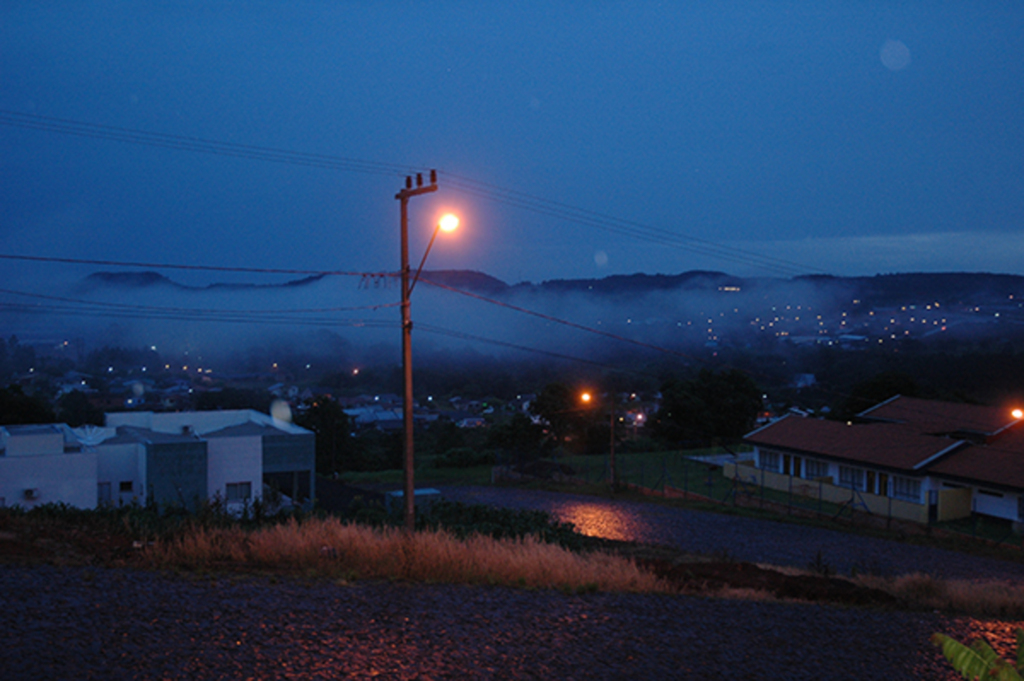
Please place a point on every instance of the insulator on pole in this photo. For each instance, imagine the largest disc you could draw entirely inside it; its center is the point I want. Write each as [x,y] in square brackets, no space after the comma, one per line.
[408,182]
[433,177]
[419,179]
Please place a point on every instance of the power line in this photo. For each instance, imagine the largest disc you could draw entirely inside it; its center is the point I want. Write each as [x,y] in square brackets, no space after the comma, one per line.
[206,268]
[183,143]
[487,191]
[557,320]
[196,311]
[630,228]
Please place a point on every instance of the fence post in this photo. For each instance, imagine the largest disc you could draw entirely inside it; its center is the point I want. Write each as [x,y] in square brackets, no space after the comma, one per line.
[789,503]
[762,488]
[686,478]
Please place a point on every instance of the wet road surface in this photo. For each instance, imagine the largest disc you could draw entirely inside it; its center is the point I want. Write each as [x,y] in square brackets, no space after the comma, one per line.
[740,538]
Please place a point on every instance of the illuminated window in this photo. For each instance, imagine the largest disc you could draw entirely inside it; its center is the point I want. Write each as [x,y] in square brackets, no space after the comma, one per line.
[239,491]
[906,488]
[851,477]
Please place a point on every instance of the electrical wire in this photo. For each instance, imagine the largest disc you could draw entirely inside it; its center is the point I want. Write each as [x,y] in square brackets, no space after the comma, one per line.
[479,189]
[183,143]
[201,268]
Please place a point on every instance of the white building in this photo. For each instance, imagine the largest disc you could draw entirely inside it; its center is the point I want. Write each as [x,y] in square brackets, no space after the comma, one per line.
[170,459]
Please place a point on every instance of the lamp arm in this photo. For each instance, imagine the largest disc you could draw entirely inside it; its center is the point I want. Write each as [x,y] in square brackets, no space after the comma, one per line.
[433,236]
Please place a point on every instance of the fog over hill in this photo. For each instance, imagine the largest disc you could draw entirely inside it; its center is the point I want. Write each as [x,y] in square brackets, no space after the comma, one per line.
[474,313]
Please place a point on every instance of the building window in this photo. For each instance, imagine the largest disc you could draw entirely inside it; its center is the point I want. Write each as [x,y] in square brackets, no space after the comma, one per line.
[239,491]
[125,486]
[906,488]
[769,460]
[815,469]
[851,477]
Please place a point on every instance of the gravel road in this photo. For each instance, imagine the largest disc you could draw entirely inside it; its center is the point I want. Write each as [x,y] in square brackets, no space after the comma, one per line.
[748,539]
[87,623]
[91,623]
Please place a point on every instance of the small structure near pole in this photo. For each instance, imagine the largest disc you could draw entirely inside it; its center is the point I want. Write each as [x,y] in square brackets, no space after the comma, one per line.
[423,498]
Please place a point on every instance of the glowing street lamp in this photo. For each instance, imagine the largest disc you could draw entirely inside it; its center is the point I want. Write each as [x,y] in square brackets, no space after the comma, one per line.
[447,223]
[586,398]
[1017,413]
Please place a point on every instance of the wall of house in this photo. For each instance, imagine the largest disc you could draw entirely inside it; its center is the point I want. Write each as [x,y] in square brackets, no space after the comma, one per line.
[176,472]
[953,504]
[53,478]
[122,463]
[993,503]
[235,460]
[877,504]
[289,463]
[34,441]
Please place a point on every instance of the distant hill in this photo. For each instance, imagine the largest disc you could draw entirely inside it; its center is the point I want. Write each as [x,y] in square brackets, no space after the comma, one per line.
[949,288]
[142,280]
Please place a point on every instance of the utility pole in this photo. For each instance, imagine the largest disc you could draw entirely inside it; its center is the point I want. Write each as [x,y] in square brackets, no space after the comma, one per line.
[409,487]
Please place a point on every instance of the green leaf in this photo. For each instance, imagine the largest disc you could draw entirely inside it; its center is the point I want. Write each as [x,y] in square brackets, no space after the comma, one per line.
[985,651]
[967,661]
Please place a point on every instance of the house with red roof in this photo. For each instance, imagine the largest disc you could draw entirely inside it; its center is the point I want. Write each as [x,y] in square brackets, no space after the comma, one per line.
[922,460]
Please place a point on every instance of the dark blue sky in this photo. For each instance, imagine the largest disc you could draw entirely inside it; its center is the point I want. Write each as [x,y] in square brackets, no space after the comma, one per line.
[852,137]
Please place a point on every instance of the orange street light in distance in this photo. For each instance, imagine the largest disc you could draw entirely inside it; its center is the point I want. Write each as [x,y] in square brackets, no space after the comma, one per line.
[1017,413]
[585,398]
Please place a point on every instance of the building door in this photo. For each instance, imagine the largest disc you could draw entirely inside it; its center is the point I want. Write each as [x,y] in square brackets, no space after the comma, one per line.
[103,494]
[796,467]
[871,482]
[883,484]
[933,506]
[786,461]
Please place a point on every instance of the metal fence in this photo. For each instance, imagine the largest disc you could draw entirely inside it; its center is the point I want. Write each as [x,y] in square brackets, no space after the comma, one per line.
[724,479]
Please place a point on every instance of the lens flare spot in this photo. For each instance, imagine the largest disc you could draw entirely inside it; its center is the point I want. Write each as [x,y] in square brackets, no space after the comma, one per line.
[281,411]
[601,258]
[895,55]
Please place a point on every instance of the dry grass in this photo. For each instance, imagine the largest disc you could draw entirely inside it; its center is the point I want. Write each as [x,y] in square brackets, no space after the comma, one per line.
[980,599]
[330,547]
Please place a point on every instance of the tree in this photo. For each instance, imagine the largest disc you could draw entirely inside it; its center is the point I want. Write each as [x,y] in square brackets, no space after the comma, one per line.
[233,398]
[880,388]
[17,408]
[560,407]
[333,428]
[520,439]
[75,410]
[713,406]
